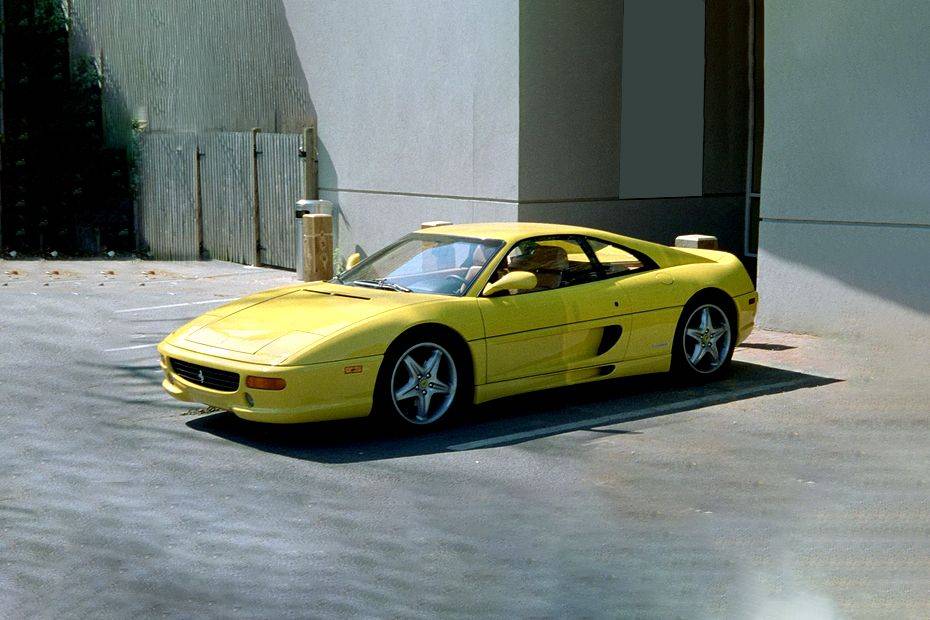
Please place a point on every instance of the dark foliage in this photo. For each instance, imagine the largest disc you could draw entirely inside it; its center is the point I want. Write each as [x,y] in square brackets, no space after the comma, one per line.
[62,189]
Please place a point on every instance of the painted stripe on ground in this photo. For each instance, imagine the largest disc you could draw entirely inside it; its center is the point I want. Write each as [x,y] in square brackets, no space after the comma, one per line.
[137,346]
[187,303]
[629,416]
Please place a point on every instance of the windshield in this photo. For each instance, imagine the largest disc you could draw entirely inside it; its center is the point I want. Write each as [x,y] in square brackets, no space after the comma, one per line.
[420,263]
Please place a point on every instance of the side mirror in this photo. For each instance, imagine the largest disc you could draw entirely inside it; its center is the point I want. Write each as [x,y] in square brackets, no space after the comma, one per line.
[353,260]
[515,280]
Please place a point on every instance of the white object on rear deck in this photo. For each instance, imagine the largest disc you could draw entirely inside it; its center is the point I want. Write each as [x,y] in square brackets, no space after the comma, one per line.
[704,242]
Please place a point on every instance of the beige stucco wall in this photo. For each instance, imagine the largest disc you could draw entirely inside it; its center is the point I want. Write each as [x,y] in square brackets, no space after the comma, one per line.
[569,99]
[417,104]
[845,231]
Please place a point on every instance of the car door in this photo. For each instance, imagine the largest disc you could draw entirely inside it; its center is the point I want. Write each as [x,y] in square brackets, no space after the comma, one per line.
[646,296]
[598,332]
[525,334]
[556,327]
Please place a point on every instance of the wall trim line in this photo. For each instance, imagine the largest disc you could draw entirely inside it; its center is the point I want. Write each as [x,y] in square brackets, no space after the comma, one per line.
[417,195]
[533,201]
[790,220]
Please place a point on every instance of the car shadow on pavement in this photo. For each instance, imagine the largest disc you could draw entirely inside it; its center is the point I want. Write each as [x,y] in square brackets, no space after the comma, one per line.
[512,420]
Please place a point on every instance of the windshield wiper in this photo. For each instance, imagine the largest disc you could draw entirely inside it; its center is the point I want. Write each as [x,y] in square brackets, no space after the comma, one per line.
[382,283]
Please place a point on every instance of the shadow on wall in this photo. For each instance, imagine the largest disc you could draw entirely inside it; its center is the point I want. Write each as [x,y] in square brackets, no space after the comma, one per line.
[514,420]
[853,275]
[196,66]
[327,177]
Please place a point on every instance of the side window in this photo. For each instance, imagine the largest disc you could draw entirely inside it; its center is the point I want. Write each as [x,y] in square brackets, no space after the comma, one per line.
[556,262]
[615,260]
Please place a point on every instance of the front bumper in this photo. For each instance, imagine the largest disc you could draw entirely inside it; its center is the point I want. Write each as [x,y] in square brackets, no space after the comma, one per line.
[314,392]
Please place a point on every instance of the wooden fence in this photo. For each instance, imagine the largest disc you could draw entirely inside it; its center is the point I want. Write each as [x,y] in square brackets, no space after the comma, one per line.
[225,195]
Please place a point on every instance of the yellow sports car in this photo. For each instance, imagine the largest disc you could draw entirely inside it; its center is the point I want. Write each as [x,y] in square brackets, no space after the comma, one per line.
[463,314]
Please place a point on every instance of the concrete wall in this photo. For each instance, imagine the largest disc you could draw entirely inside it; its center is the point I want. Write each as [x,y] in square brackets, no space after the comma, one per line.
[845,231]
[659,220]
[726,96]
[491,110]
[596,152]
[418,110]
[511,109]
[662,118]
[569,99]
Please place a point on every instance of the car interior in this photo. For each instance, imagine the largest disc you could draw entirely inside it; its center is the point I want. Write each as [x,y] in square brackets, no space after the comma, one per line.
[556,263]
[562,262]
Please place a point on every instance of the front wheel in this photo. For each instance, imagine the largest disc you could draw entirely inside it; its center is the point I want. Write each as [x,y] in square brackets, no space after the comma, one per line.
[421,383]
[703,340]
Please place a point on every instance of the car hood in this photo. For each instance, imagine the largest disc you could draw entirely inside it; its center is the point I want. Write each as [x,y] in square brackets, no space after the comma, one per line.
[282,324]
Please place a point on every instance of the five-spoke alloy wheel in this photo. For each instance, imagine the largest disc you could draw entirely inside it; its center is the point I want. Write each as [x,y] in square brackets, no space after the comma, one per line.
[423,383]
[704,340]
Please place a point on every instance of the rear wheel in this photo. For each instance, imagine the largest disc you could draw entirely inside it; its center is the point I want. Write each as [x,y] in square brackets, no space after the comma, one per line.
[422,382]
[703,340]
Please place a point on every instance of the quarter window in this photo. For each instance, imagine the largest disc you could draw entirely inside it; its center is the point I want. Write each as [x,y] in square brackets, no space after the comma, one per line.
[614,260]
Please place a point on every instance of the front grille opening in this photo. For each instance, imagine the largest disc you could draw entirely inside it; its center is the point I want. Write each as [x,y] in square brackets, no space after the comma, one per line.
[212,378]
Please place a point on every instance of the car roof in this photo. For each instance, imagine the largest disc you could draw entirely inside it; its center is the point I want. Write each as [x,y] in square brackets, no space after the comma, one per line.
[510,231]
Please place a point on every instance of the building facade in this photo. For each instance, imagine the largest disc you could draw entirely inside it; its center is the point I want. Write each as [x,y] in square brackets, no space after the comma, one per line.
[632,116]
[845,227]
[795,131]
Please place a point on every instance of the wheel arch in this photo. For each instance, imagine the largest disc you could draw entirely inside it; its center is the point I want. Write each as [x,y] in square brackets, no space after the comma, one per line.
[422,331]
[720,296]
[452,334]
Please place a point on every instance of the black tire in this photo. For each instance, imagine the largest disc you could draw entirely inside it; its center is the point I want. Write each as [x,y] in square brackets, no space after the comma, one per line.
[396,376]
[695,340]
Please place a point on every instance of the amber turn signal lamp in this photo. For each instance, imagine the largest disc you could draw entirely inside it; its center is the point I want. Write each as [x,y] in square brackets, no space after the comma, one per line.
[264,383]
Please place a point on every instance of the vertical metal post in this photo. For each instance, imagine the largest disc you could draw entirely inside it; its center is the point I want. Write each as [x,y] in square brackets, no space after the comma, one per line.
[751,128]
[198,204]
[311,165]
[2,88]
[256,222]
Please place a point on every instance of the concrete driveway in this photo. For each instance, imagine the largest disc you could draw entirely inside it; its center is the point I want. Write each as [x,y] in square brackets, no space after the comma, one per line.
[798,485]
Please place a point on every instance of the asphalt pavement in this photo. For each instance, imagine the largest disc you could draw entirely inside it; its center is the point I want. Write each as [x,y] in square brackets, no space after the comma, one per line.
[796,487]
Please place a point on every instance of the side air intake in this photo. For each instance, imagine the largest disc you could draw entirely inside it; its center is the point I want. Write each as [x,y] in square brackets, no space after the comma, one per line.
[610,337]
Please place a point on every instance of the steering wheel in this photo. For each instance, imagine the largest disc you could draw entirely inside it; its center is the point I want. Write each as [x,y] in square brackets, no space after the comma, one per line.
[458,279]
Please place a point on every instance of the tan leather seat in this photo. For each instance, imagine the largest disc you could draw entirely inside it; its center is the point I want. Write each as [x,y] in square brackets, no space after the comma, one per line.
[478,259]
[547,262]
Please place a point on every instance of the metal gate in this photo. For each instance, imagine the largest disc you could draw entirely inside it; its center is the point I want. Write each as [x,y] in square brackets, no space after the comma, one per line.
[203,192]
[226,196]
[166,218]
[280,184]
